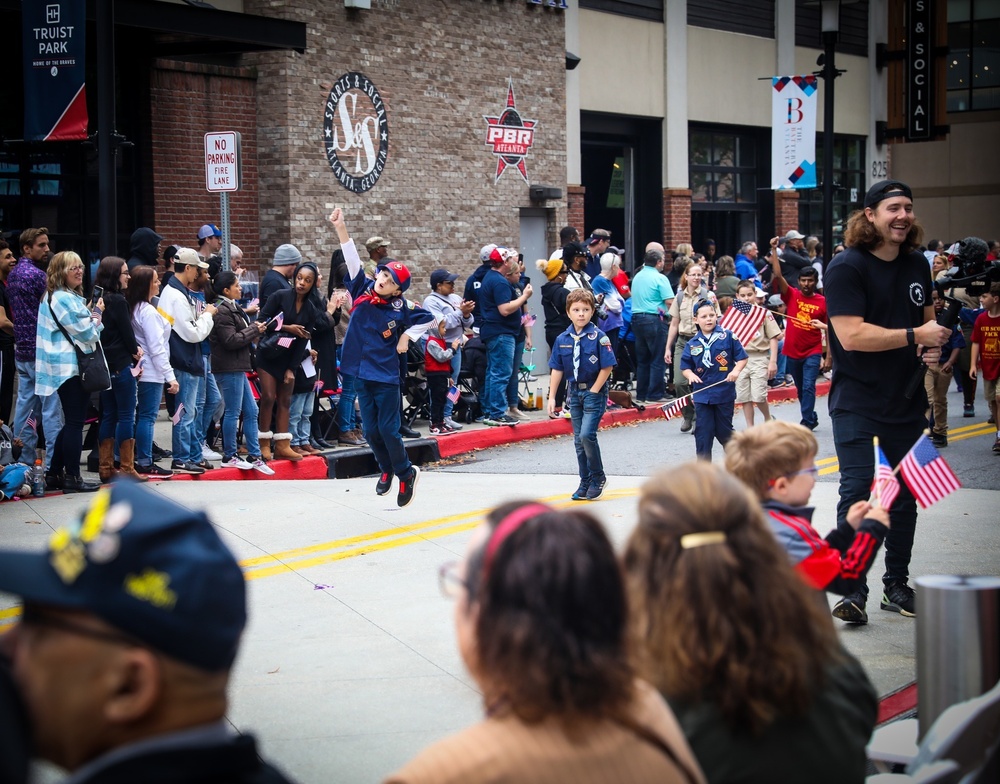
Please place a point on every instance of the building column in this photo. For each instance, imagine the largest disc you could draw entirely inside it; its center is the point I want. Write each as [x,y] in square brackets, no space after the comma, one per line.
[786,211]
[574,207]
[574,174]
[675,174]
[877,157]
[784,38]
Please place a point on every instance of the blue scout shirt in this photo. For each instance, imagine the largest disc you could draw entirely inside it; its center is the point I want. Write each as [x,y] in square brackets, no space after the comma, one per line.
[370,344]
[712,358]
[595,354]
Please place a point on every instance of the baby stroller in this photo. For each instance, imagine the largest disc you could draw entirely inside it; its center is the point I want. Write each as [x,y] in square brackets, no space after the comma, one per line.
[416,397]
[471,379]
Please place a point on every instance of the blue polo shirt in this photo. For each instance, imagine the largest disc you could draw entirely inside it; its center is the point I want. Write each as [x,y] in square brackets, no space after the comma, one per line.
[712,358]
[649,289]
[496,291]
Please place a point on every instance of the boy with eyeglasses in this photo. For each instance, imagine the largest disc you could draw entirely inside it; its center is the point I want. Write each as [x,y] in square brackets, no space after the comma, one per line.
[776,460]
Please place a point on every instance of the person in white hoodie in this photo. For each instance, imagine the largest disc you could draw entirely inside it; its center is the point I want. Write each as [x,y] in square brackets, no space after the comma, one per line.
[190,324]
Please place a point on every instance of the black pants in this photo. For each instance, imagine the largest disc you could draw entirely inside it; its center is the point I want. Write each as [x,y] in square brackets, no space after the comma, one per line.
[437,385]
[69,442]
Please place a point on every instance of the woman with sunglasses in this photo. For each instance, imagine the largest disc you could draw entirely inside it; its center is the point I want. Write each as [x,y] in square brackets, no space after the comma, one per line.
[540,617]
[736,641]
[64,320]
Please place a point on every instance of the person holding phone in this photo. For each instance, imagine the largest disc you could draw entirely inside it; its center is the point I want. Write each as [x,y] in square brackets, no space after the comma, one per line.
[278,358]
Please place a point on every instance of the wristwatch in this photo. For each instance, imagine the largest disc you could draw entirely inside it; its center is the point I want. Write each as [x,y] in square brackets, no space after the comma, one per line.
[910,339]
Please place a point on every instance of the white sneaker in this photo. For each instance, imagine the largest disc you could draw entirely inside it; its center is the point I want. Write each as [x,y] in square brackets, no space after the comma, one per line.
[207,453]
[237,462]
[452,423]
[517,413]
[260,466]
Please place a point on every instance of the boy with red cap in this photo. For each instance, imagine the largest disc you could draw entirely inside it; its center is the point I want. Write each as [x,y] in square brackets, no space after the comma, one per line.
[382,325]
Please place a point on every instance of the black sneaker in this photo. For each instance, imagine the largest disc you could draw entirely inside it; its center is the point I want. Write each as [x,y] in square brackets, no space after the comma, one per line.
[159,453]
[969,411]
[851,608]
[580,494]
[996,445]
[182,467]
[383,484]
[507,419]
[153,470]
[596,489]
[939,440]
[898,597]
[205,465]
[406,486]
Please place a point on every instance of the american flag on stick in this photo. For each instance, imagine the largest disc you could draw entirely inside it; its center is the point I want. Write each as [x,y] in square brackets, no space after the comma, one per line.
[926,473]
[743,319]
[454,394]
[885,488]
[676,408]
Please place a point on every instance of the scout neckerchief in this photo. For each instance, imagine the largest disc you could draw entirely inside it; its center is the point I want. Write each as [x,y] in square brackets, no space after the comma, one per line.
[706,355]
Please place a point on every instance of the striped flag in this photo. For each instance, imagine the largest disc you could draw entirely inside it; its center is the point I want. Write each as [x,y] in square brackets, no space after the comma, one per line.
[30,422]
[178,414]
[676,408]
[279,321]
[743,319]
[286,342]
[927,474]
[454,394]
[886,486]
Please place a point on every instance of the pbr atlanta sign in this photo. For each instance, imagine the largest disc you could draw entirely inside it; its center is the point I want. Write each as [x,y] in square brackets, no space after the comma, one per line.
[510,136]
[356,132]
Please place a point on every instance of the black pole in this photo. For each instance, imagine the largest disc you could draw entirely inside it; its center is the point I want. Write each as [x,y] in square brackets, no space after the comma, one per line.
[107,142]
[829,77]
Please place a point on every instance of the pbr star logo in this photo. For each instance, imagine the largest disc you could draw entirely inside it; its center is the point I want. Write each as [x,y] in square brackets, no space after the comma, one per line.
[510,136]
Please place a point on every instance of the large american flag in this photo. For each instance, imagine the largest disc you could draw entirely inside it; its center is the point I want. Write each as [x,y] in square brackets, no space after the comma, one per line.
[743,319]
[886,486]
[927,474]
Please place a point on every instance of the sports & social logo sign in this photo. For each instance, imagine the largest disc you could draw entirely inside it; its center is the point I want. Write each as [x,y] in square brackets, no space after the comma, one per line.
[356,132]
[510,136]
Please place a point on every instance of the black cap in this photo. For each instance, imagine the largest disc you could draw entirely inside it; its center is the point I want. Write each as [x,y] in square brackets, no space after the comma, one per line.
[571,249]
[886,189]
[439,276]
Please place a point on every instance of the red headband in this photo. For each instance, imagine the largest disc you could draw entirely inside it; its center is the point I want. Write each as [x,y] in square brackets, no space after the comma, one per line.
[507,526]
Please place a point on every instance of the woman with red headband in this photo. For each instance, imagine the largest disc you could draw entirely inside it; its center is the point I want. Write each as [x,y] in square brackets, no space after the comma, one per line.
[541,623]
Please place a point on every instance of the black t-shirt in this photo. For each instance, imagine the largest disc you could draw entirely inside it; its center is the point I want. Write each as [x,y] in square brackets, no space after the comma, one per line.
[890,294]
[6,341]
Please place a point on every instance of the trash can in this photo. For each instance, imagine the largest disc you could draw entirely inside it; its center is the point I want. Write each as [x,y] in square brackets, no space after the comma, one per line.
[958,641]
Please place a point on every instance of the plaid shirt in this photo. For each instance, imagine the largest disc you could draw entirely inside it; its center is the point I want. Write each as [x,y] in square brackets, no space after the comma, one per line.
[25,287]
[55,360]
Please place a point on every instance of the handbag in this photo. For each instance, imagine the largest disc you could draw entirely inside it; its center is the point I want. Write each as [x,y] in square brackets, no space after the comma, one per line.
[94,373]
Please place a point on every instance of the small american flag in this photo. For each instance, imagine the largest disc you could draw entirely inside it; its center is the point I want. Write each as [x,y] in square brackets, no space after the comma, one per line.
[178,413]
[454,394]
[743,319]
[676,408]
[30,422]
[286,342]
[885,487]
[927,474]
[279,321]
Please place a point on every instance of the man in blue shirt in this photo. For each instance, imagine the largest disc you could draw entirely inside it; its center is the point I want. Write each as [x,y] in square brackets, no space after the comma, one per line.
[651,298]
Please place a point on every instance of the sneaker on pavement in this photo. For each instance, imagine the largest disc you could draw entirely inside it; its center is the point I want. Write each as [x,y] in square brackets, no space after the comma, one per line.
[969,411]
[204,464]
[996,446]
[352,438]
[406,486]
[452,423]
[159,453]
[596,489]
[207,453]
[442,429]
[851,608]
[580,494]
[517,414]
[153,470]
[182,467]
[258,464]
[507,419]
[687,425]
[383,484]
[237,462]
[898,597]
[939,441]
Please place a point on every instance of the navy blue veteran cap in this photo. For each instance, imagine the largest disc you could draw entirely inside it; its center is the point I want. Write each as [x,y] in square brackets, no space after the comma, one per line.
[886,189]
[146,565]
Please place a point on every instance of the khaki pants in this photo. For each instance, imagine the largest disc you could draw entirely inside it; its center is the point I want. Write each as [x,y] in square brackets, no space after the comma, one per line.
[936,382]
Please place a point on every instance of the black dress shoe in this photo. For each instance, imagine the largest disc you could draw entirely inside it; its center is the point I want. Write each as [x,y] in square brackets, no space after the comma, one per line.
[54,481]
[408,432]
[77,484]
[322,443]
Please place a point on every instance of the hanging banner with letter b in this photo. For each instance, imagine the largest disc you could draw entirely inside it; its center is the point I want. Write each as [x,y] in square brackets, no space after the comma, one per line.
[793,132]
[55,48]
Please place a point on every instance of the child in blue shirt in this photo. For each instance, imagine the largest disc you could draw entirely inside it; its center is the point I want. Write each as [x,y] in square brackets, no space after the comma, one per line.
[712,356]
[587,387]
[382,325]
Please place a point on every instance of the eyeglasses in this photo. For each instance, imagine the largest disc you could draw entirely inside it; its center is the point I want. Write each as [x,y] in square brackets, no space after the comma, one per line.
[74,269]
[449,581]
[813,470]
[34,617]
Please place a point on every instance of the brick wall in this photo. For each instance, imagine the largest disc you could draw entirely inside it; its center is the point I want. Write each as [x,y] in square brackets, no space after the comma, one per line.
[188,101]
[786,211]
[676,217]
[439,67]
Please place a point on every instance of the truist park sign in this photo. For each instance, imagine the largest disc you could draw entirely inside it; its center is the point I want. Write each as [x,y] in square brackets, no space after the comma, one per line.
[356,132]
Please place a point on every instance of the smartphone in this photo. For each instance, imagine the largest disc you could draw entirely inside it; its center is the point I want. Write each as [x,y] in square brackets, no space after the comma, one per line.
[98,293]
[155,301]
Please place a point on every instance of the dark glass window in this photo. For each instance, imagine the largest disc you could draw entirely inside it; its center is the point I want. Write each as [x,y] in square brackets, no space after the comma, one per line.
[974,55]
[641,9]
[723,167]
[853,35]
[735,16]
[848,186]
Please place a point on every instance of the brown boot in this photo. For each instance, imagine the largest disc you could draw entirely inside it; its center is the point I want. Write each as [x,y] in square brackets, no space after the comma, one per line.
[106,453]
[127,452]
[283,447]
[265,444]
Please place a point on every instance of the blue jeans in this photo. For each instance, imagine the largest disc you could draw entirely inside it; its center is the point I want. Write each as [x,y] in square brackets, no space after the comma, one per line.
[235,389]
[512,396]
[650,344]
[782,363]
[187,437]
[299,413]
[149,394]
[585,411]
[715,422]
[499,365]
[852,437]
[380,414]
[804,373]
[118,407]
[209,405]
[456,366]
[49,409]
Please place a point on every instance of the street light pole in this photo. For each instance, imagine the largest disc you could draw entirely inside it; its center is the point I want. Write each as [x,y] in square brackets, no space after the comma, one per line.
[831,28]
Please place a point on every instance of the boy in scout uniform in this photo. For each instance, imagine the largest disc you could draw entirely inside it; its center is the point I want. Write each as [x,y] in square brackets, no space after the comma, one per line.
[584,355]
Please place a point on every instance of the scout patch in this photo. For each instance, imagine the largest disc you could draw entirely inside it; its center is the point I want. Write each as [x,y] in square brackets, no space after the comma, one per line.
[696,351]
[605,341]
[593,360]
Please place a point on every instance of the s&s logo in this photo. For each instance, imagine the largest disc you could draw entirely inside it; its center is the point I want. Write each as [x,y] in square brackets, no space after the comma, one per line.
[356,132]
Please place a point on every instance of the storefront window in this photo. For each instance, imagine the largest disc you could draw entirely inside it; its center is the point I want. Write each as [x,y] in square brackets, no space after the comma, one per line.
[973,55]
[723,167]
[848,186]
